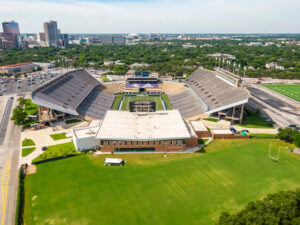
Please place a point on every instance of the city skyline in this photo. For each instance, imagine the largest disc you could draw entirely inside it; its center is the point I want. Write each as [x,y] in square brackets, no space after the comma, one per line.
[134,16]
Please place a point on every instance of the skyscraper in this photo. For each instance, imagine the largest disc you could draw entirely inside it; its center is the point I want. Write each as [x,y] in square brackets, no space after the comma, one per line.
[51,33]
[11,32]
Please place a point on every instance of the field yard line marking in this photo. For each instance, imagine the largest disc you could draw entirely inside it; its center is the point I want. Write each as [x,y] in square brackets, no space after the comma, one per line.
[4,187]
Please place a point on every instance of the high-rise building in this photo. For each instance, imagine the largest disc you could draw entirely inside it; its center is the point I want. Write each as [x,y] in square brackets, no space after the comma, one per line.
[11,33]
[51,33]
[40,37]
[63,39]
[113,39]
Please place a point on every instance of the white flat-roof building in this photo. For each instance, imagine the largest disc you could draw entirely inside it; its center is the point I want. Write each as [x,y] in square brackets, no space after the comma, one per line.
[160,125]
[136,131]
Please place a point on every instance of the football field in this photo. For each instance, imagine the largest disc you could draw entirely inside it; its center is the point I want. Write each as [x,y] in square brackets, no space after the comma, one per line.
[153,188]
[127,99]
[289,90]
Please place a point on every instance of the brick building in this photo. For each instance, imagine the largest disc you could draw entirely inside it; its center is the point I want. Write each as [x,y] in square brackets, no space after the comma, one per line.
[123,131]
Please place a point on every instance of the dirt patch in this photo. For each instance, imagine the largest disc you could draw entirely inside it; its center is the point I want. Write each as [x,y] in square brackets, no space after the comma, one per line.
[31,169]
[297,151]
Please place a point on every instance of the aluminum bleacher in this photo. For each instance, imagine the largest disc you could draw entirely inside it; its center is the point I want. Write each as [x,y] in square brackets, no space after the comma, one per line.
[76,93]
[215,92]
[188,103]
[96,104]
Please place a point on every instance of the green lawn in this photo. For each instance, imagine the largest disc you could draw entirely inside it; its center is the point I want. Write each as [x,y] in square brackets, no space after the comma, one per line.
[290,90]
[152,189]
[211,119]
[54,151]
[72,121]
[254,120]
[27,151]
[27,142]
[30,108]
[202,141]
[117,101]
[59,136]
[126,99]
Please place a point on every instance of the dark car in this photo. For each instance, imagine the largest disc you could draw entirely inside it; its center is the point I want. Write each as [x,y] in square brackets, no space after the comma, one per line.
[44,148]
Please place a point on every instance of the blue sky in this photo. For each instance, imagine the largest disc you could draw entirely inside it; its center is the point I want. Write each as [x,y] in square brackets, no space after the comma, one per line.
[164,16]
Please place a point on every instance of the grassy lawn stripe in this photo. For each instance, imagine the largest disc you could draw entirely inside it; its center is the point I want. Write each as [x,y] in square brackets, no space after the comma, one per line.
[27,142]
[153,189]
[289,90]
[27,151]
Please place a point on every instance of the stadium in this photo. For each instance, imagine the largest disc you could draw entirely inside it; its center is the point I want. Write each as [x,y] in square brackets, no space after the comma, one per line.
[143,113]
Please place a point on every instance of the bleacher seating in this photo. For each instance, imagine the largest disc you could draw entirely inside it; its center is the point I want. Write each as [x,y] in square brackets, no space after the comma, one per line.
[188,103]
[96,104]
[214,91]
[66,92]
[118,87]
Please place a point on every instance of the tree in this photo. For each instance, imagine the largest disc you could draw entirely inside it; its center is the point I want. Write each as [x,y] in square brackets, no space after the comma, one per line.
[22,101]
[280,208]
[287,134]
[18,115]
[296,140]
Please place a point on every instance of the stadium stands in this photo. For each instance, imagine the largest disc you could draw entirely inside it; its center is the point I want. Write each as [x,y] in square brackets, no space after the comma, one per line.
[188,103]
[75,93]
[96,104]
[117,87]
[216,93]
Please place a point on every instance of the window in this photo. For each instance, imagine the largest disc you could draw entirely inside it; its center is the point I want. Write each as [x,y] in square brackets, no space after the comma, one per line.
[120,142]
[166,142]
[131,143]
[114,142]
[176,142]
[102,143]
[148,143]
[107,143]
[125,142]
[171,142]
[143,143]
[183,142]
[137,143]
[159,142]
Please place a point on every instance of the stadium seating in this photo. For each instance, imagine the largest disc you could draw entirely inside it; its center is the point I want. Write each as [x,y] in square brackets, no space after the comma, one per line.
[118,87]
[96,104]
[67,91]
[214,91]
[188,103]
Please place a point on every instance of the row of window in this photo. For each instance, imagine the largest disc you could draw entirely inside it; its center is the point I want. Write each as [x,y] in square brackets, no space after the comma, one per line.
[144,143]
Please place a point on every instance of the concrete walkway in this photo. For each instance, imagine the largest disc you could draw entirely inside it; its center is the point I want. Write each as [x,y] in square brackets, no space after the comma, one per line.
[28,159]
[224,125]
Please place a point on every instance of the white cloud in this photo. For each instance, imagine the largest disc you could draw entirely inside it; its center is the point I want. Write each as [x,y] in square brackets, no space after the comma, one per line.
[166,16]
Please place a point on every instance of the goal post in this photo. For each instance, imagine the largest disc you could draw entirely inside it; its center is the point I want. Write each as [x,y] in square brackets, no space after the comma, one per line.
[273,156]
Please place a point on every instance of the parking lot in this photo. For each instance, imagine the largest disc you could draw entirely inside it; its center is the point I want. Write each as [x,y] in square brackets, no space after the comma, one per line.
[27,84]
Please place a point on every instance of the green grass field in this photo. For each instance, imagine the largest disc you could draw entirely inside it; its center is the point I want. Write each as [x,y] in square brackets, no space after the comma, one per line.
[152,189]
[30,108]
[289,90]
[58,136]
[254,120]
[127,99]
[27,151]
[27,142]
[54,151]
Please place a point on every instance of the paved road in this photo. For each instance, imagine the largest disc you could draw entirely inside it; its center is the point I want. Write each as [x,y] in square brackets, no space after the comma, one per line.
[5,119]
[9,160]
[280,109]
